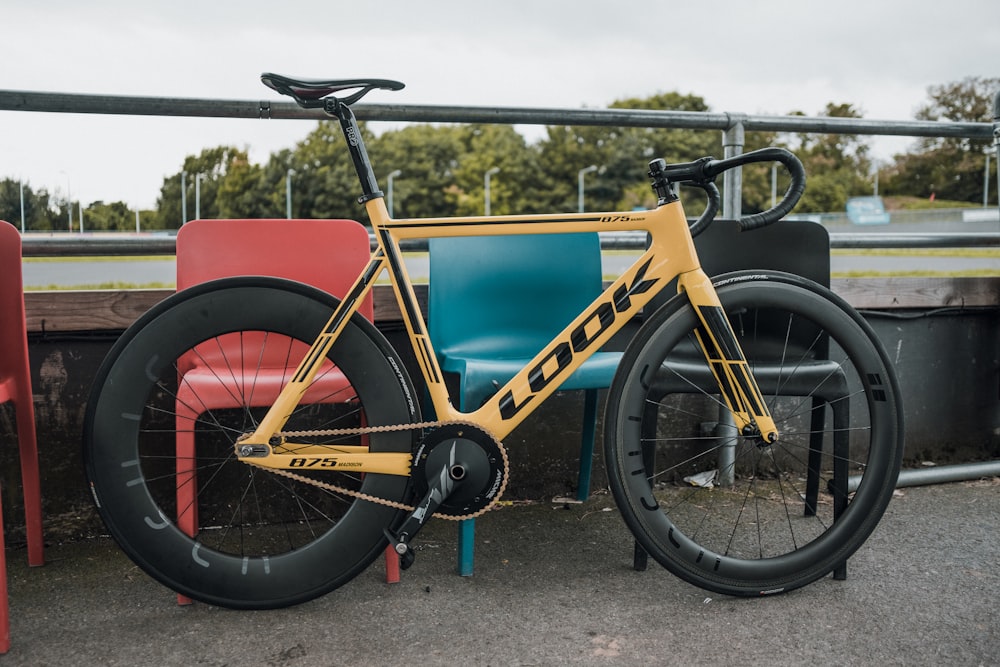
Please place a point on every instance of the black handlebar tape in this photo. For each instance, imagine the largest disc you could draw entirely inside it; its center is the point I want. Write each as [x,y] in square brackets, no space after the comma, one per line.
[791,196]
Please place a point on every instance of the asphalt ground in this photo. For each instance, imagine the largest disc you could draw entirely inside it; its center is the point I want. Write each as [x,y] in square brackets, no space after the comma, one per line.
[553,586]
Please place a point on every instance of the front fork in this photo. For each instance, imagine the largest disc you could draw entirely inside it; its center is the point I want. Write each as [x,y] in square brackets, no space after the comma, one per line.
[722,351]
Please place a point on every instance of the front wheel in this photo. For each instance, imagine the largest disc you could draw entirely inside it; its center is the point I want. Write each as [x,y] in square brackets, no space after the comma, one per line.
[727,511]
[168,405]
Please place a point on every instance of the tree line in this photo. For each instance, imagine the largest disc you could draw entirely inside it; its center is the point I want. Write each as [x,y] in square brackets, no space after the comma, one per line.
[440,169]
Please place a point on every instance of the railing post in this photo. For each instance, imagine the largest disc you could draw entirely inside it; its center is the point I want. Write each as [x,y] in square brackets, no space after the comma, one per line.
[733,139]
[996,140]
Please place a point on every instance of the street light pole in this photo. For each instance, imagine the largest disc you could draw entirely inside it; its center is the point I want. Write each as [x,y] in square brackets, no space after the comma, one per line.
[986,180]
[288,193]
[486,194]
[579,185]
[184,199]
[389,198]
[69,201]
[197,196]
[22,206]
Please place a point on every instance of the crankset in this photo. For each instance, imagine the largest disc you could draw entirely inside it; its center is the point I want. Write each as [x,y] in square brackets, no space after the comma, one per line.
[458,470]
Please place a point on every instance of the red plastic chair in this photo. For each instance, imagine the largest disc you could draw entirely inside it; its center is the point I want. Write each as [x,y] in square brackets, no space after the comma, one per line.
[15,385]
[328,254]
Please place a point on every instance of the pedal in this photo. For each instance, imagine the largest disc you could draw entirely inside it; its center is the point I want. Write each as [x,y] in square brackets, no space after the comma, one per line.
[402,549]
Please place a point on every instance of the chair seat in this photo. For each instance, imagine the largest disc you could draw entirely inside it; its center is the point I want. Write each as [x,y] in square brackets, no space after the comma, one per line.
[205,388]
[479,374]
[821,378]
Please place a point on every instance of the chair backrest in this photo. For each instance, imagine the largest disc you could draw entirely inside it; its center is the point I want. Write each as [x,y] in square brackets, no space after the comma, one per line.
[13,340]
[510,294]
[794,246]
[328,254]
[799,247]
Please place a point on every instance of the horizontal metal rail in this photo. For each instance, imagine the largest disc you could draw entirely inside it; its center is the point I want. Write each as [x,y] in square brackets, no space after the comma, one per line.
[84,245]
[23,100]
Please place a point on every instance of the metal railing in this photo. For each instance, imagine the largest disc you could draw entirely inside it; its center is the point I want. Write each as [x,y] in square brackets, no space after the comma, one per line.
[66,245]
[732,125]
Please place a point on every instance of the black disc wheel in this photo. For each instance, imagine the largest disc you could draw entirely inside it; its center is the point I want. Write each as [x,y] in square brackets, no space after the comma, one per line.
[723,509]
[172,398]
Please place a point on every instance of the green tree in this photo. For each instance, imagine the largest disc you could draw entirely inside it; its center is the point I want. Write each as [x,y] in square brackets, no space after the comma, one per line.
[211,165]
[427,157]
[243,191]
[115,216]
[948,167]
[513,190]
[622,152]
[837,165]
[326,184]
[39,212]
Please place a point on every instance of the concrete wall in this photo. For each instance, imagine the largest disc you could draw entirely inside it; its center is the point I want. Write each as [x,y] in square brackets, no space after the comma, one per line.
[947,362]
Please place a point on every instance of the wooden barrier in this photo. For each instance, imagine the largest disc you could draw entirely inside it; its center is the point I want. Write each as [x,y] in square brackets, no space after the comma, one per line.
[104,310]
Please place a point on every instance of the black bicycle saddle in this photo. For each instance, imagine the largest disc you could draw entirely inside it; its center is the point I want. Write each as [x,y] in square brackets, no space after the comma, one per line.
[310,92]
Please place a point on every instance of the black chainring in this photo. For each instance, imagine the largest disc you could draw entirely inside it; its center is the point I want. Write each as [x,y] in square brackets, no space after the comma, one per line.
[482,458]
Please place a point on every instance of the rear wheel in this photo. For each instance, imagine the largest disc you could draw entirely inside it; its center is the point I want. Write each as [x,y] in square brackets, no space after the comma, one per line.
[724,510]
[176,392]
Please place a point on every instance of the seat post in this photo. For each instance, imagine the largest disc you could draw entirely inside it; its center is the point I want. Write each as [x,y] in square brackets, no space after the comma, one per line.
[359,155]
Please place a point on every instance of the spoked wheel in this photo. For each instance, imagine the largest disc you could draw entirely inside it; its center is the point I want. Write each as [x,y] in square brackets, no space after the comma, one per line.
[727,511]
[176,392]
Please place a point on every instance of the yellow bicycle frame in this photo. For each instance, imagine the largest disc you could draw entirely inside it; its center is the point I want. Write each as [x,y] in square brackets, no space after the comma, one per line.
[670,254]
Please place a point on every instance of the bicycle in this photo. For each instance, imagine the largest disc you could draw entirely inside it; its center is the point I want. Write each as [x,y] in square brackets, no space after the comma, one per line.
[297,499]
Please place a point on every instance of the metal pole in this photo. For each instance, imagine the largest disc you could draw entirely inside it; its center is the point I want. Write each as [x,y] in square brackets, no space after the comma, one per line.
[137,220]
[986,180]
[733,140]
[996,140]
[486,193]
[579,185]
[197,197]
[184,201]
[732,206]
[288,193]
[79,210]
[937,475]
[22,205]
[389,199]
[69,201]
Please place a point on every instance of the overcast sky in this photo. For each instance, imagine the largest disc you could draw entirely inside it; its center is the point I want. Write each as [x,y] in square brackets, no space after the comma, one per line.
[752,56]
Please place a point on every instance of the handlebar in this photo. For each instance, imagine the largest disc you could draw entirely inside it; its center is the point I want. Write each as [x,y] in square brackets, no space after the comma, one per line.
[701,173]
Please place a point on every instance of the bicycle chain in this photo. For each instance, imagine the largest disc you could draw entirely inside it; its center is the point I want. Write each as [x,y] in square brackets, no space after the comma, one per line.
[385,501]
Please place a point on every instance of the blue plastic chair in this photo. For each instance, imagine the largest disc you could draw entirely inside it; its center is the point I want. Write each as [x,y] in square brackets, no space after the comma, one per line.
[493,303]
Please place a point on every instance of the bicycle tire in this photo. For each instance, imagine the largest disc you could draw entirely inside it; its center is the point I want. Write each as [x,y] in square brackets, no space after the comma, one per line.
[775,525]
[260,540]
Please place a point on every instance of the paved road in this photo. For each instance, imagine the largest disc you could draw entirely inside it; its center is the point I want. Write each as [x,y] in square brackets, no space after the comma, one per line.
[553,586]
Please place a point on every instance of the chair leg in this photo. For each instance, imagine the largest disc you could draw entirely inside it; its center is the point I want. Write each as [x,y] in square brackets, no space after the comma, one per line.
[466,546]
[587,444]
[187,500]
[640,558]
[392,575]
[815,456]
[391,565]
[841,454]
[28,450]
[4,604]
